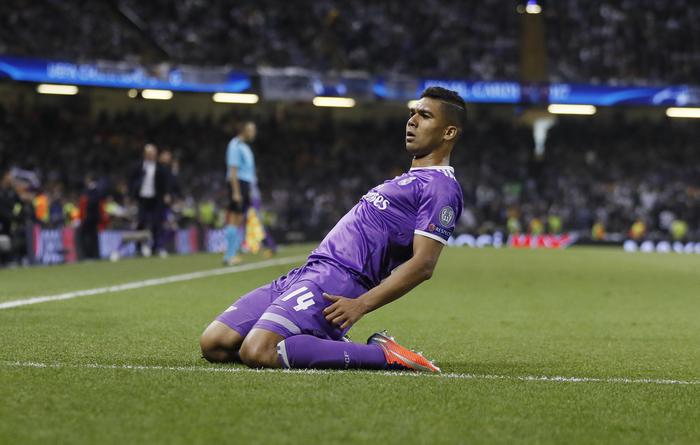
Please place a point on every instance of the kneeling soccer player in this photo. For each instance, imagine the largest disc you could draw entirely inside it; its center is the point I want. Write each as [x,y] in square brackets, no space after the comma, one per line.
[300,319]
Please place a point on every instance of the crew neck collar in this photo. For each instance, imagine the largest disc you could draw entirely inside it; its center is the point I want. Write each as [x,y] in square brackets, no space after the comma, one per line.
[434,167]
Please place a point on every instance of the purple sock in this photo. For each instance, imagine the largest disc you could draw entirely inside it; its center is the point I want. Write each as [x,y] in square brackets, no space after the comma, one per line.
[307,351]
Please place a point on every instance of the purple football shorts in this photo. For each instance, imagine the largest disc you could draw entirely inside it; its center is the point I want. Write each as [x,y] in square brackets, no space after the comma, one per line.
[293,304]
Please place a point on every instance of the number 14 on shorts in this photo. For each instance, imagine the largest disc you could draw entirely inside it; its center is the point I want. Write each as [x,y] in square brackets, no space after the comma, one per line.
[304,301]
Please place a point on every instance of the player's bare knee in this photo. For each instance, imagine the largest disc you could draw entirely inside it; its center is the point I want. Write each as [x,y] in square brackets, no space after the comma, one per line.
[252,354]
[219,343]
[257,354]
[213,348]
[210,347]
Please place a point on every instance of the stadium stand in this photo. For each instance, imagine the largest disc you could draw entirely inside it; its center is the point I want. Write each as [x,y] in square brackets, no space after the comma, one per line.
[72,30]
[623,42]
[619,173]
[595,42]
[340,35]
[325,35]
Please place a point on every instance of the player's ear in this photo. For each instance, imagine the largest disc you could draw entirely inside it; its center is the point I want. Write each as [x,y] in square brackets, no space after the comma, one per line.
[451,133]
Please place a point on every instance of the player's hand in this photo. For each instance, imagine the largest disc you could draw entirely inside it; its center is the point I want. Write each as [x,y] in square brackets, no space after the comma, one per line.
[344,312]
[237,198]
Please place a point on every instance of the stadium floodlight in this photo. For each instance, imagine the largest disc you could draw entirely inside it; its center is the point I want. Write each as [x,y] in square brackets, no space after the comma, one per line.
[340,102]
[235,98]
[132,93]
[157,94]
[683,112]
[50,88]
[533,8]
[571,109]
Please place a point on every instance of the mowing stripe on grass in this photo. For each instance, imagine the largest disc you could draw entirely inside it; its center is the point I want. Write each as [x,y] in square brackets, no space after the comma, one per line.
[238,370]
[152,282]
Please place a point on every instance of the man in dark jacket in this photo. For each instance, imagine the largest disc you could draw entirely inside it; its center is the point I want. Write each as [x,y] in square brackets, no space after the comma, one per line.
[91,218]
[16,213]
[8,200]
[170,169]
[149,185]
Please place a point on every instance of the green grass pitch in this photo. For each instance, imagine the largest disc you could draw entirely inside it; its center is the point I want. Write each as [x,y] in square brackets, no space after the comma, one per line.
[124,367]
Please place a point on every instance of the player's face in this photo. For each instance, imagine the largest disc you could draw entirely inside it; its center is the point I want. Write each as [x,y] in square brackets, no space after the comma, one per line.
[425,128]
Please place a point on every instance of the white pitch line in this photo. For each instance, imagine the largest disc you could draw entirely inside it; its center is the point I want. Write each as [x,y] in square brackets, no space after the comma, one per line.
[151,282]
[241,370]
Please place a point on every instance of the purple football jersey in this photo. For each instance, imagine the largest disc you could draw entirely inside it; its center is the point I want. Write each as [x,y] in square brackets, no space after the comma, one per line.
[376,235]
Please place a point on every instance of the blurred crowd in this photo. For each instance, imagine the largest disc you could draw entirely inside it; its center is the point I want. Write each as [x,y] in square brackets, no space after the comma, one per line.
[625,41]
[430,37]
[73,30]
[417,38]
[636,179]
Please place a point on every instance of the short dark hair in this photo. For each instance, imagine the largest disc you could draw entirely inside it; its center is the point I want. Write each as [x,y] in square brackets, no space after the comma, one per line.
[453,104]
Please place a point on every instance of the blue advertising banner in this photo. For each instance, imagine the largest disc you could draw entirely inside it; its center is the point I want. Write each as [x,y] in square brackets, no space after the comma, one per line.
[110,241]
[398,88]
[677,96]
[124,75]
[564,93]
[49,246]
[300,84]
[290,84]
[479,92]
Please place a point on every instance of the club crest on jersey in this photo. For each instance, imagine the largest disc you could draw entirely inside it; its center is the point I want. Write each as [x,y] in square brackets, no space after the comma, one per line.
[407,181]
[377,200]
[447,215]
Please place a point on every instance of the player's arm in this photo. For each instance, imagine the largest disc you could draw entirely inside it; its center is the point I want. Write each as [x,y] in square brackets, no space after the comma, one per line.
[346,311]
[233,161]
[235,185]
